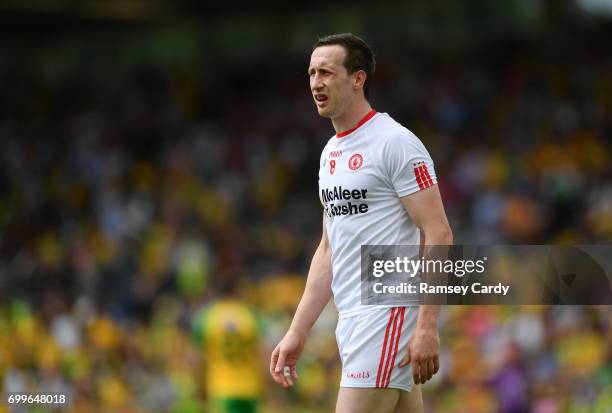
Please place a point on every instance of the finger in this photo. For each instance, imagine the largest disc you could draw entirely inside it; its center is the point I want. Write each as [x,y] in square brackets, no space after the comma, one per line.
[273,360]
[280,364]
[430,369]
[294,372]
[280,368]
[287,375]
[276,375]
[436,362]
[280,379]
[424,370]
[416,373]
[406,360]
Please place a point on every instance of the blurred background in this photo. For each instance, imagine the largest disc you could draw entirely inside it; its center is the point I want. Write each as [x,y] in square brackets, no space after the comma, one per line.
[153,154]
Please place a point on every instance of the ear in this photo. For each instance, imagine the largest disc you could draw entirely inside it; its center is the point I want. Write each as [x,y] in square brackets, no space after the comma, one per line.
[359,78]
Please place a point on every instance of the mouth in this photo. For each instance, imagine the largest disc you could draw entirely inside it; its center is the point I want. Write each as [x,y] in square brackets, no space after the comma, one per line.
[320,98]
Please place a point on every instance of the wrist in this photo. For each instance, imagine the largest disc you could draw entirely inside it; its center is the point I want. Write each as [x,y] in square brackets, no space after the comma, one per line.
[427,327]
[298,333]
[428,318]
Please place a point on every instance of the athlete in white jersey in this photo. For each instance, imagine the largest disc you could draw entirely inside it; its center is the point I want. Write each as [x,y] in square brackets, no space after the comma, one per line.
[364,172]
[378,187]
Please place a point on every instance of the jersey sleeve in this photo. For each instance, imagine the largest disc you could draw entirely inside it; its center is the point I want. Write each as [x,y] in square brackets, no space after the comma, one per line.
[409,166]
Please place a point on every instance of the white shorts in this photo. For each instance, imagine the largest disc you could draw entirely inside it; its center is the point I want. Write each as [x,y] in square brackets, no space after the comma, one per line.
[373,344]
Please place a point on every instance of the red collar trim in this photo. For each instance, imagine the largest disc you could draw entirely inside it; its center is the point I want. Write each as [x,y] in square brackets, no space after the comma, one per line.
[366,118]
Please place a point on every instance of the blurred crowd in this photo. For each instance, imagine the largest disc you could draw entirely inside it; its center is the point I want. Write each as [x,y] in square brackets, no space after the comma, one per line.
[124,195]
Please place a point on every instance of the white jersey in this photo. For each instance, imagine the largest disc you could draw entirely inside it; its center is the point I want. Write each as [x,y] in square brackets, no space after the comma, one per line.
[363,173]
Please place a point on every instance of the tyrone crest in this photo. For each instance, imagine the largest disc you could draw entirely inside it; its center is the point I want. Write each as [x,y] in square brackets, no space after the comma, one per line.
[355,161]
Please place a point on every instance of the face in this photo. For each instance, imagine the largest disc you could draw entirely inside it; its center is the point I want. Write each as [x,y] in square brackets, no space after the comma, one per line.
[330,84]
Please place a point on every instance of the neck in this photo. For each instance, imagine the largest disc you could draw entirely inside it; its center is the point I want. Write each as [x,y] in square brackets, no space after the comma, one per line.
[358,109]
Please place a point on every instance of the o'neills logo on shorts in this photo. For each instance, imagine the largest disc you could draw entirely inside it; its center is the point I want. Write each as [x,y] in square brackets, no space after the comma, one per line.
[338,193]
[357,374]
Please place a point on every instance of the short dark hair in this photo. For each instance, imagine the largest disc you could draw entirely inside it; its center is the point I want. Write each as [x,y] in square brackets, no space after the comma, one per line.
[359,56]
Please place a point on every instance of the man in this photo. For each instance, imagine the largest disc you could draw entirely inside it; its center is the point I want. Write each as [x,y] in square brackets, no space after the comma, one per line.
[228,331]
[378,187]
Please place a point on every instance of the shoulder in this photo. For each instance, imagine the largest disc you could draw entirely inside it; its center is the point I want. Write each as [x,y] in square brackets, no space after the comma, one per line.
[391,135]
[203,315]
[327,146]
[199,324]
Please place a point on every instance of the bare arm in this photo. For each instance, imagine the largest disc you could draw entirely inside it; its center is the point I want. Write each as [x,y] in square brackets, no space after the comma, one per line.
[316,296]
[318,289]
[427,212]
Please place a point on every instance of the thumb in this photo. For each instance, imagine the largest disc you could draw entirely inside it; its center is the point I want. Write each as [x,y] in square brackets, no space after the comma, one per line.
[281,361]
[406,359]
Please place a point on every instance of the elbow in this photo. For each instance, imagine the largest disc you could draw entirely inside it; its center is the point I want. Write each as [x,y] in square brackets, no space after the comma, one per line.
[323,248]
[442,235]
[449,236]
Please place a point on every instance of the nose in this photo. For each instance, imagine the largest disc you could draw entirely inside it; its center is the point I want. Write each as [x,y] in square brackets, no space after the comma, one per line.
[315,82]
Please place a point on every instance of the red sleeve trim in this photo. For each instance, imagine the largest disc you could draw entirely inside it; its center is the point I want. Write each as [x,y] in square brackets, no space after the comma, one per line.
[422,175]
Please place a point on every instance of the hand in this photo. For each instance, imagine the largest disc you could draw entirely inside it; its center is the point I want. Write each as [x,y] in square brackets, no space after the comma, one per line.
[286,354]
[424,354]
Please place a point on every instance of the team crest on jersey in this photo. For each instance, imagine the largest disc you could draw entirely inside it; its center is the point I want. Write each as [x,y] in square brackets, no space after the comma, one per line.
[355,161]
